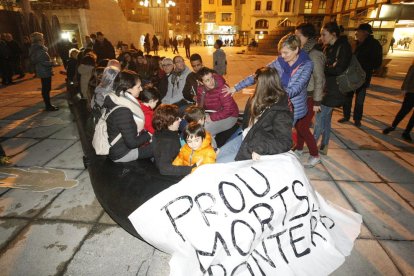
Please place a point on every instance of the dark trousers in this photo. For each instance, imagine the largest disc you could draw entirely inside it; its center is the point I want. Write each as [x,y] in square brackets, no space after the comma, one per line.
[359,103]
[175,50]
[46,87]
[406,107]
[187,52]
[302,127]
[6,71]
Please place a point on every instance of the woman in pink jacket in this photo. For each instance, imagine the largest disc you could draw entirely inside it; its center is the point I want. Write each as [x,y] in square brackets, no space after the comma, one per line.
[222,111]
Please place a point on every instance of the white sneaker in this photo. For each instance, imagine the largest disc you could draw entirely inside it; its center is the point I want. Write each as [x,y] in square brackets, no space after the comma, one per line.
[313,161]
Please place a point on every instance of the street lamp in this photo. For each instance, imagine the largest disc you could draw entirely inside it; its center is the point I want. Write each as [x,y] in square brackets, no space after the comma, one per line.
[147,3]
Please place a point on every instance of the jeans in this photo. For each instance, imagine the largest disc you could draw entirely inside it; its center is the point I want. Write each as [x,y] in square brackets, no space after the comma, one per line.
[230,149]
[323,125]
[215,127]
[359,103]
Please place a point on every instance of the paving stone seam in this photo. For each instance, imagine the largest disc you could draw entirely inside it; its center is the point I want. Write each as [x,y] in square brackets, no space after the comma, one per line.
[370,230]
[81,243]
[355,209]
[11,239]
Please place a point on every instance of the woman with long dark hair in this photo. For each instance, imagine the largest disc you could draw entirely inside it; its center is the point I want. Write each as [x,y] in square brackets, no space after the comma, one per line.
[269,122]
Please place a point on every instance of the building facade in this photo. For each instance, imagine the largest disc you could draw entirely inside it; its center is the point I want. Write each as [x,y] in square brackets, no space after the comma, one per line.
[242,20]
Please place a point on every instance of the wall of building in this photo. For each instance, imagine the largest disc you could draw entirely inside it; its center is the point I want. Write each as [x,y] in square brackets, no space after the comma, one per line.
[105,16]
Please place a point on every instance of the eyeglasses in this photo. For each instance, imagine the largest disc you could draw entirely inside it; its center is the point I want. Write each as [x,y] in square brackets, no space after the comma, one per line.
[179,61]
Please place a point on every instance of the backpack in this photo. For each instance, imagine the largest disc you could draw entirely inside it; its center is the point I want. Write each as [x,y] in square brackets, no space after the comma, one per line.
[100,141]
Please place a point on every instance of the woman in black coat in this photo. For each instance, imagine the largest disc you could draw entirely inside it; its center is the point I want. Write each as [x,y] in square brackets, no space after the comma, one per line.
[338,54]
[270,120]
[126,122]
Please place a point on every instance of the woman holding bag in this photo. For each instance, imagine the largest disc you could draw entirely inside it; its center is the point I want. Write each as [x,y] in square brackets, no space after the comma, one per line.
[338,54]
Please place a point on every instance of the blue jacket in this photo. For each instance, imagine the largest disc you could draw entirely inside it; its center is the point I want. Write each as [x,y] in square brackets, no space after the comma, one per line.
[41,60]
[297,84]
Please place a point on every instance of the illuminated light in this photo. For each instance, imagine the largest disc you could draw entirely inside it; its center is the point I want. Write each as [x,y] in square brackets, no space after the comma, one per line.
[158,1]
[65,35]
[141,3]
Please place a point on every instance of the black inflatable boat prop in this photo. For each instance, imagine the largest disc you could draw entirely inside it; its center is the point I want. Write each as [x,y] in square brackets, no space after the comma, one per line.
[120,187]
[136,196]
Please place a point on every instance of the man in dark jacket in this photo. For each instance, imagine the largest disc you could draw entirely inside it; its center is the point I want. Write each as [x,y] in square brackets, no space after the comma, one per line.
[103,48]
[369,55]
[191,83]
[15,55]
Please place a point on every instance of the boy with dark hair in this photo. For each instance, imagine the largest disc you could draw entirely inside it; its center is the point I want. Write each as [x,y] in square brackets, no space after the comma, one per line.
[198,148]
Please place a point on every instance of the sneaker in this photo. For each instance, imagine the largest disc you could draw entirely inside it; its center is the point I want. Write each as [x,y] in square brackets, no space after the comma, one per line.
[388,130]
[357,123]
[5,161]
[52,108]
[313,161]
[343,120]
[323,150]
[407,137]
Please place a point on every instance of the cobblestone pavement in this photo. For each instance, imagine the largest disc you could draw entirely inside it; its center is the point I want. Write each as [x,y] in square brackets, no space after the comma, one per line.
[66,232]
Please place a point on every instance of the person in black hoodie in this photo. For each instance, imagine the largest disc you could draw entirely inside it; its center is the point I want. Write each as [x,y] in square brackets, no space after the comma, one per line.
[338,54]
[125,124]
[369,54]
[166,141]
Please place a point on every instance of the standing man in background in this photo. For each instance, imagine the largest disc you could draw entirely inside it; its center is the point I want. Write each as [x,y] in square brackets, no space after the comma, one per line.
[369,54]
[219,58]
[187,43]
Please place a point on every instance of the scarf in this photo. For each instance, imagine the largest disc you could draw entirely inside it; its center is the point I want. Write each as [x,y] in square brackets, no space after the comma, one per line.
[125,99]
[288,70]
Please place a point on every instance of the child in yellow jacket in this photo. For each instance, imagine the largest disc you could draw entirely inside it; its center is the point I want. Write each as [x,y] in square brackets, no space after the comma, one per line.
[198,147]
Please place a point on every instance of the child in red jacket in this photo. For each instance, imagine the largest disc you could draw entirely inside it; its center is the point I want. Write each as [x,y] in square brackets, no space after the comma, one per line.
[148,98]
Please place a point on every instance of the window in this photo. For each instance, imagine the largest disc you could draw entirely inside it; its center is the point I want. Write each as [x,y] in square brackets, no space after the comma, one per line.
[322,5]
[178,17]
[211,1]
[257,5]
[350,4]
[287,6]
[269,5]
[226,17]
[210,17]
[226,2]
[133,11]
[308,5]
[262,24]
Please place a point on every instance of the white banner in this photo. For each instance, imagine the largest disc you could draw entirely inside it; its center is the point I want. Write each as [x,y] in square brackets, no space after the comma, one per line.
[248,218]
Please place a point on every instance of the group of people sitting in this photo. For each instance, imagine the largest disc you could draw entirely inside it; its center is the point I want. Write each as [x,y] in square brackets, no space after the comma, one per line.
[180,141]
